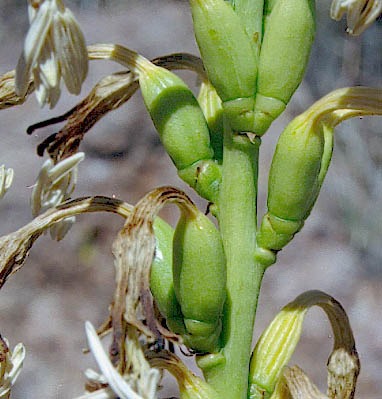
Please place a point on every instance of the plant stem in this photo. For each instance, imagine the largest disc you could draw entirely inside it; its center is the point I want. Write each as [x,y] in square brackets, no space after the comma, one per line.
[237,220]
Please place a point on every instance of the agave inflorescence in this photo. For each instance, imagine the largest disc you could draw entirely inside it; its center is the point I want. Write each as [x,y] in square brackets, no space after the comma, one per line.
[195,286]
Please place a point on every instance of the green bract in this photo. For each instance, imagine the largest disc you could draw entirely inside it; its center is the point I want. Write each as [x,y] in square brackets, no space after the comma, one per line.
[199,279]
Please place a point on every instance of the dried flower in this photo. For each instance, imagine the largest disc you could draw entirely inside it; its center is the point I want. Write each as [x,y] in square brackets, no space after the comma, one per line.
[10,366]
[54,47]
[54,185]
[360,13]
[146,380]
[8,96]
[6,178]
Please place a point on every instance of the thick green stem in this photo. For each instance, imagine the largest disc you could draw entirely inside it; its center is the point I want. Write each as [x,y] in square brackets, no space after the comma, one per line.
[228,374]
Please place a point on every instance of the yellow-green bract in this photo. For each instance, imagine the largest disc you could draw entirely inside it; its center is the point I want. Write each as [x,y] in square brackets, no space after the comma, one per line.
[199,272]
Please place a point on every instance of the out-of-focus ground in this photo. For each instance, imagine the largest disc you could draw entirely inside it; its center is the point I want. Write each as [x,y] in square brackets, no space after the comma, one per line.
[63,284]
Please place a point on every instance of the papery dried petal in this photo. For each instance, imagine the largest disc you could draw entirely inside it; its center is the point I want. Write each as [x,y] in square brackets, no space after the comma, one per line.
[54,185]
[6,178]
[115,380]
[10,366]
[54,47]
[134,250]
[8,96]
[360,13]
[300,386]
[14,247]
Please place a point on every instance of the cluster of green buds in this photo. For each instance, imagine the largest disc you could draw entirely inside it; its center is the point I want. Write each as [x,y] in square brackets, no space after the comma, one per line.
[255,54]
[188,278]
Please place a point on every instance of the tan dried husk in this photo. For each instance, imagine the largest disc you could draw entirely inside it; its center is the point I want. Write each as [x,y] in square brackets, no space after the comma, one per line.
[107,95]
[134,250]
[8,96]
[190,385]
[14,247]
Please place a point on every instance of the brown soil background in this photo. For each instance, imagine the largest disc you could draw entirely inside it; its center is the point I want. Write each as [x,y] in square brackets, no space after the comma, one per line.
[63,284]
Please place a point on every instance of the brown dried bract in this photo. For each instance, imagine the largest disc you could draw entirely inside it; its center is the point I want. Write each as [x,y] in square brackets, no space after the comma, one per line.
[8,96]
[300,386]
[14,247]
[134,250]
[108,94]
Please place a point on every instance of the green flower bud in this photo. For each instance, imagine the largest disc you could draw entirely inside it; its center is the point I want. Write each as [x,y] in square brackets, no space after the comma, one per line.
[182,127]
[298,167]
[199,272]
[226,49]
[300,163]
[296,164]
[289,28]
[176,115]
[251,15]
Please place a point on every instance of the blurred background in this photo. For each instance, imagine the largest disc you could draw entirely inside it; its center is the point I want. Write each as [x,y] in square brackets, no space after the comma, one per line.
[63,284]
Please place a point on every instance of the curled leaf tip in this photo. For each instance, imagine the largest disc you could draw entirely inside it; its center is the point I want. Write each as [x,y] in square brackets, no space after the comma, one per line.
[277,344]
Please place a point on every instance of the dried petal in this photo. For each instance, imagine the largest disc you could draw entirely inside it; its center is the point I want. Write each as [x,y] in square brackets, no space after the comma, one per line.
[360,13]
[8,96]
[149,377]
[300,386]
[14,247]
[133,251]
[6,178]
[54,47]
[10,366]
[54,185]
